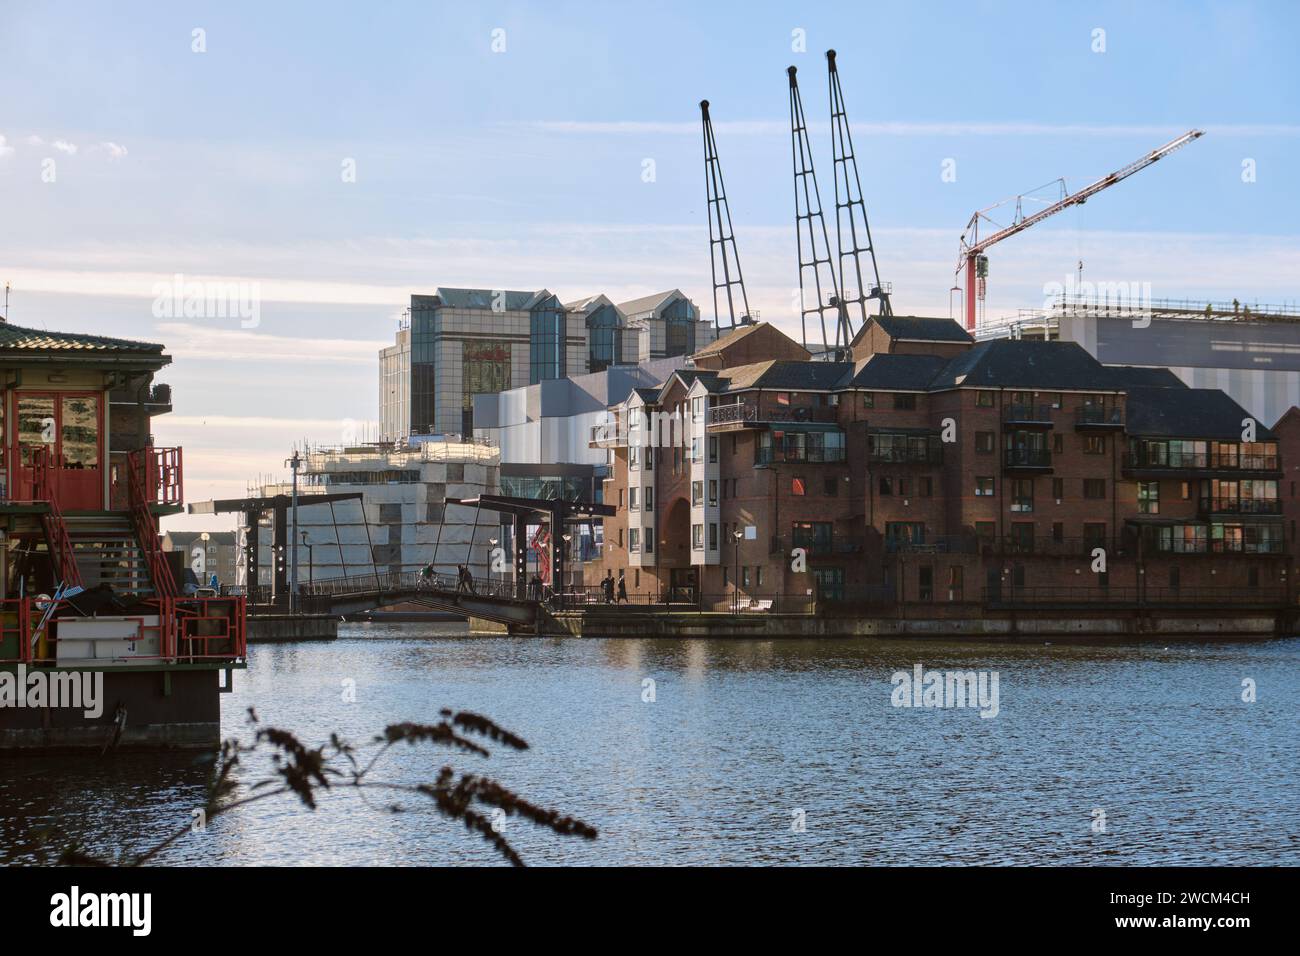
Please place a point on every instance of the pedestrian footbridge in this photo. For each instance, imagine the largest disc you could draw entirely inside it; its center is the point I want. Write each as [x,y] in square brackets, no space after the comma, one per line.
[490,601]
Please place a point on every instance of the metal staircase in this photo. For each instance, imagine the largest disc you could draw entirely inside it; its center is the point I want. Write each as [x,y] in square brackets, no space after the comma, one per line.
[149,469]
[107,551]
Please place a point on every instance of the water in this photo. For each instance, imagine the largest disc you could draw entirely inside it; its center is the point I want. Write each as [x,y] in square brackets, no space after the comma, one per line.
[740,736]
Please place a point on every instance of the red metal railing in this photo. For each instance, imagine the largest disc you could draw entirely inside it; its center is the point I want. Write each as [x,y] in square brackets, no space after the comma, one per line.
[189,630]
[149,479]
[56,529]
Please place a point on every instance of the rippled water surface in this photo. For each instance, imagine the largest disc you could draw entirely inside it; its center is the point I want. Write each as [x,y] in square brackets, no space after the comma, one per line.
[740,735]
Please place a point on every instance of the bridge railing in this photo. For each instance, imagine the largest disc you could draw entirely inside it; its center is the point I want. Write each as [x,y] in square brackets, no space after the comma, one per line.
[385,582]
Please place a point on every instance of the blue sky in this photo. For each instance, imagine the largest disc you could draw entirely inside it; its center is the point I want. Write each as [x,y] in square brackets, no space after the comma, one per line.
[523,168]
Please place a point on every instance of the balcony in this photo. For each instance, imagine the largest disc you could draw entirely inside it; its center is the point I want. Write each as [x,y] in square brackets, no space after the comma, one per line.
[1137,464]
[1239,506]
[1027,416]
[826,456]
[751,415]
[607,436]
[1027,459]
[930,455]
[1050,547]
[1087,417]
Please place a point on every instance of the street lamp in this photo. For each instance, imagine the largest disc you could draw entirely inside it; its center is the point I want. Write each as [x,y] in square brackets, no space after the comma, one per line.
[736,535]
[310,562]
[294,463]
[204,537]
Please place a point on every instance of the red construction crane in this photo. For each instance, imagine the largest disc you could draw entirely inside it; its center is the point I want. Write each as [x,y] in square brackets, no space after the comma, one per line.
[972,258]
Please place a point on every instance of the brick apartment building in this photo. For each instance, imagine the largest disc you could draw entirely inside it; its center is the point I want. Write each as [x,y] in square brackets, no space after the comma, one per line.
[931,469]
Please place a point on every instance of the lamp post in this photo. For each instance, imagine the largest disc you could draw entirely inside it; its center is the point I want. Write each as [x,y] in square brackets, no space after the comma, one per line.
[491,563]
[310,562]
[294,463]
[568,556]
[205,537]
[736,535]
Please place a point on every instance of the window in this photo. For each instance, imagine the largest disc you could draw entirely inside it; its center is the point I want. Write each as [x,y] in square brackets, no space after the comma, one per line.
[546,342]
[927,487]
[697,409]
[1094,444]
[1058,532]
[713,449]
[1094,535]
[905,487]
[633,458]
[1058,444]
[797,486]
[955,583]
[604,338]
[900,534]
[925,583]
[905,402]
[986,530]
[620,497]
[886,486]
[813,536]
[649,499]
[697,537]
[697,494]
[1149,497]
[1058,488]
[984,487]
[1185,489]
[634,540]
[713,536]
[1022,536]
[697,450]
[713,491]
[831,487]
[1094,487]
[868,399]
[984,442]
[744,577]
[1022,495]
[829,583]
[758,576]
[632,502]
[983,399]
[649,540]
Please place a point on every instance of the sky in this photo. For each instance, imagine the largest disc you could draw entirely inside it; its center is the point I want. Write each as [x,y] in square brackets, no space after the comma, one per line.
[332,159]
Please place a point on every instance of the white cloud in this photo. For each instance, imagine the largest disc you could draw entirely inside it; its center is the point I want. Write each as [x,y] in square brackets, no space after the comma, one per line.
[194,341]
[115,151]
[63,146]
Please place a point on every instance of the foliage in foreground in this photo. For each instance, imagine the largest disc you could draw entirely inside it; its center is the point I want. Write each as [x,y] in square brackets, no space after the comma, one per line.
[339,765]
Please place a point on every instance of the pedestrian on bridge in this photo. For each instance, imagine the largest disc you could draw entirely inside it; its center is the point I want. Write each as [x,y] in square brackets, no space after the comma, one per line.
[607,587]
[622,588]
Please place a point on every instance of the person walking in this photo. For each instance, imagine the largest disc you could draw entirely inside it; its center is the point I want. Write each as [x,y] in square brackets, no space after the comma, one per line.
[607,587]
[622,588]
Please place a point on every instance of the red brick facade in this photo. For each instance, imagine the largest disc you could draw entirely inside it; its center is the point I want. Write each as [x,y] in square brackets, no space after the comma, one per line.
[941,480]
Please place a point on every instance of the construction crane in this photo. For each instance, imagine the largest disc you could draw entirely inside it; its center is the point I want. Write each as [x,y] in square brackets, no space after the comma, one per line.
[816,268]
[972,258]
[850,206]
[722,238]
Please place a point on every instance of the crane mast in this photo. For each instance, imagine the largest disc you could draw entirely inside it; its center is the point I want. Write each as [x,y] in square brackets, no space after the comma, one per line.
[722,238]
[972,258]
[851,214]
[816,267]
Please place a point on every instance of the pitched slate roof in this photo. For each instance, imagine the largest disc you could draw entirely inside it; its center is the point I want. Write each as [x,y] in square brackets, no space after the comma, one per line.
[1024,364]
[1135,376]
[787,375]
[896,371]
[1187,413]
[38,340]
[921,329]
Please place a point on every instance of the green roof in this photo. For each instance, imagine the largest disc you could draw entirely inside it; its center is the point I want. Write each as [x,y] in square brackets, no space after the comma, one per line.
[15,337]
